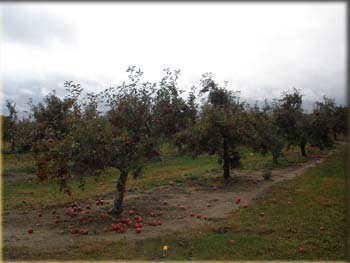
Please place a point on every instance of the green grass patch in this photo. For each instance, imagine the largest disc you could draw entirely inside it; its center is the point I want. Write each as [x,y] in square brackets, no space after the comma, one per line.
[24,192]
[316,199]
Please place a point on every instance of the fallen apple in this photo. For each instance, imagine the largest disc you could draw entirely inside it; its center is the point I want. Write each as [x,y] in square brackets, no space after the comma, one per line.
[245,206]
[138,230]
[74,231]
[84,231]
[131,212]
[199,216]
[301,250]
[232,242]
[30,230]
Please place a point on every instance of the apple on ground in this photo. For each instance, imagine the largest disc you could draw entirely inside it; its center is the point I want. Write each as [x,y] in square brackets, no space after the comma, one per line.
[84,231]
[30,230]
[232,242]
[131,212]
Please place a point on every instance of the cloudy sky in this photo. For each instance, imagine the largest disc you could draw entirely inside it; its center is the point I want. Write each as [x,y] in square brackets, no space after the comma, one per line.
[260,49]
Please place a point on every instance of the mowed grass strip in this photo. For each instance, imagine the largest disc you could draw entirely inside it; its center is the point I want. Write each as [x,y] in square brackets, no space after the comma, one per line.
[294,211]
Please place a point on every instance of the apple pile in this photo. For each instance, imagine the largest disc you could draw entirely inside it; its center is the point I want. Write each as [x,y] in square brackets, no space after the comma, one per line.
[155,214]
[155,223]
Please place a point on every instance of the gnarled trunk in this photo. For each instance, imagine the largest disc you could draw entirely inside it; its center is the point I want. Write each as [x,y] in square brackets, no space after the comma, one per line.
[275,158]
[226,158]
[120,191]
[302,149]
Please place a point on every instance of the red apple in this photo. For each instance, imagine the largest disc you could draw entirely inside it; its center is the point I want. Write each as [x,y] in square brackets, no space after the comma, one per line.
[232,242]
[74,231]
[245,205]
[165,203]
[138,230]
[301,250]
[199,216]
[84,231]
[238,200]
[30,230]
[322,228]
[205,217]
[131,212]
[57,221]
[192,214]
[105,229]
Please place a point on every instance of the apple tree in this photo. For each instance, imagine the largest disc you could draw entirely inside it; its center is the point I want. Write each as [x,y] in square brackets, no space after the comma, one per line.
[321,124]
[132,124]
[10,125]
[219,127]
[54,121]
[265,135]
[171,111]
[291,119]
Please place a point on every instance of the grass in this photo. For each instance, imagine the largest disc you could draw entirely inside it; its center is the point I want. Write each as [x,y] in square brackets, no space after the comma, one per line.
[317,199]
[27,192]
[14,163]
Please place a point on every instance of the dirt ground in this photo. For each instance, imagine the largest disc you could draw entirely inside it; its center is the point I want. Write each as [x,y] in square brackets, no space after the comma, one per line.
[214,202]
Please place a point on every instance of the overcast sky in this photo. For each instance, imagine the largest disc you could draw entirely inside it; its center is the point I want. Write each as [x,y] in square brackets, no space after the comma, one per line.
[260,49]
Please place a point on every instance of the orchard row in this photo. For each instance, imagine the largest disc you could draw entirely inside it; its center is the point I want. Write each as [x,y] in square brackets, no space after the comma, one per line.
[124,126]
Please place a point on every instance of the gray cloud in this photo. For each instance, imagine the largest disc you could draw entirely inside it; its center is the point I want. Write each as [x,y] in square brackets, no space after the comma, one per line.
[21,90]
[34,26]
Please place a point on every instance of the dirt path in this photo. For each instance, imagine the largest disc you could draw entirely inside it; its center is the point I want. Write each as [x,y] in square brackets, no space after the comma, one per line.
[214,202]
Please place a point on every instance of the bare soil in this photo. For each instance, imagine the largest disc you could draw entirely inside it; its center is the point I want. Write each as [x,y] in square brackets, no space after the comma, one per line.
[215,202]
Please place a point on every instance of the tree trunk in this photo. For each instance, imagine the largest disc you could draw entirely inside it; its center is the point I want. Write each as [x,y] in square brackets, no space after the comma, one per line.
[13,148]
[226,165]
[302,149]
[275,158]
[120,191]
[335,135]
